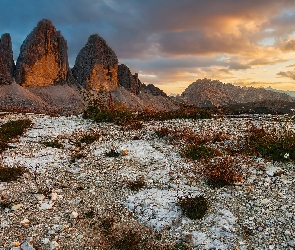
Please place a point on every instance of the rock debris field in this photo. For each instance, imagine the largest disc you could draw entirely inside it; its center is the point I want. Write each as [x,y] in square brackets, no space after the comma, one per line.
[80,193]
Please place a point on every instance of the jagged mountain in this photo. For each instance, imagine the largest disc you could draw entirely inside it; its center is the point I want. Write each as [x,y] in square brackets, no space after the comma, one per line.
[206,92]
[45,83]
[96,65]
[43,58]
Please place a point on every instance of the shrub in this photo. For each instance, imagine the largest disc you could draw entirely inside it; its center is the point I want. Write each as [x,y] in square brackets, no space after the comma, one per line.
[112,153]
[89,138]
[221,172]
[193,207]
[11,130]
[11,174]
[162,132]
[136,184]
[196,152]
[273,145]
[52,144]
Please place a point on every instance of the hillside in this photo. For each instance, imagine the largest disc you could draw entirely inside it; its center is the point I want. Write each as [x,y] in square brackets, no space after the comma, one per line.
[206,92]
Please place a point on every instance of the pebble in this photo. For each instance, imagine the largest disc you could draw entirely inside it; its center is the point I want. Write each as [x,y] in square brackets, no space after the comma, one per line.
[259,209]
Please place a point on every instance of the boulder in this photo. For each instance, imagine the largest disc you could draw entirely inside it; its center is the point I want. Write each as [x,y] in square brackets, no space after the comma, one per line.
[96,65]
[43,58]
[6,60]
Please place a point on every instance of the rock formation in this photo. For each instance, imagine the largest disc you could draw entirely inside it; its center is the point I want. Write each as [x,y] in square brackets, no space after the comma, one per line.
[43,58]
[6,60]
[127,80]
[96,65]
[153,90]
[217,93]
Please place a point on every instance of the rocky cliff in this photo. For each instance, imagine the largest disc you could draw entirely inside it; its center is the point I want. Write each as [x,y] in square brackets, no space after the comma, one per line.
[6,60]
[217,93]
[96,65]
[43,58]
[127,80]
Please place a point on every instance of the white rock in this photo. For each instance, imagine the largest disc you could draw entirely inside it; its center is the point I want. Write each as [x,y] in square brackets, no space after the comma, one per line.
[25,222]
[16,207]
[74,215]
[53,245]
[40,197]
[46,205]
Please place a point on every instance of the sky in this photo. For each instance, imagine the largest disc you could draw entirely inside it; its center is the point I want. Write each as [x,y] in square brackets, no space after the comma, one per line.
[172,43]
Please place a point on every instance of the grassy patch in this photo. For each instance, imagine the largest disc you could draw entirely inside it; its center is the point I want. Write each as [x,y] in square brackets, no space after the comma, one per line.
[193,207]
[11,174]
[196,152]
[273,145]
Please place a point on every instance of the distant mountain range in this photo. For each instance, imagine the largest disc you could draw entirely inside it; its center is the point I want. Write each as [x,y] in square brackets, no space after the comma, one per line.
[206,93]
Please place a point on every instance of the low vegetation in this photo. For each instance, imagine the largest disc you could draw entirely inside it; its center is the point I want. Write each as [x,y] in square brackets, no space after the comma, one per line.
[98,111]
[222,171]
[193,207]
[52,144]
[196,152]
[137,184]
[11,130]
[8,174]
[274,145]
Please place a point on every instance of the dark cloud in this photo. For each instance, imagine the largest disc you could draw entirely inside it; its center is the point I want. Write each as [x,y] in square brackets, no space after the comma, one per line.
[164,35]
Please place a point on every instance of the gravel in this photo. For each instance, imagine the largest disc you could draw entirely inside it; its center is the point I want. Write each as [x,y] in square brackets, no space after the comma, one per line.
[66,191]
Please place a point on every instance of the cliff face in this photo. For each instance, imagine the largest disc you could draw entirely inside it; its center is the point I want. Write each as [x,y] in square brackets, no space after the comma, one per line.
[43,58]
[6,60]
[219,94]
[96,65]
[127,80]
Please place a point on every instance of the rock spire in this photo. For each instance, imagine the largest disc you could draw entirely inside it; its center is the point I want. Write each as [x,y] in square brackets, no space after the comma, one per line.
[43,58]
[6,60]
[96,65]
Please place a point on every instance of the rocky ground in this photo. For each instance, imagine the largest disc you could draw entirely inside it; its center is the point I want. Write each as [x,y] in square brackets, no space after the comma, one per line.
[79,193]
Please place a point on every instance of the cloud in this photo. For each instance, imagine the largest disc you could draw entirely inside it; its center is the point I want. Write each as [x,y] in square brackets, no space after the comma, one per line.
[289,74]
[175,40]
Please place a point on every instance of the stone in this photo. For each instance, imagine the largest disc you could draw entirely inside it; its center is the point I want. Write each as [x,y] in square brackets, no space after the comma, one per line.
[6,60]
[96,65]
[43,58]
[25,222]
[127,80]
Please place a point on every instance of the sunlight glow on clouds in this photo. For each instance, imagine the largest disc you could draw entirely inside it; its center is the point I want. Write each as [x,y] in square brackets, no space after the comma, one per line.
[171,43]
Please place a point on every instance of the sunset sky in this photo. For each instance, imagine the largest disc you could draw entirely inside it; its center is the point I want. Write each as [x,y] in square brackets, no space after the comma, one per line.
[171,43]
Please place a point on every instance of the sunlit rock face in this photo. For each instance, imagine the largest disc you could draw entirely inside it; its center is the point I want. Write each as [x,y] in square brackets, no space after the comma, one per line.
[96,65]
[43,58]
[6,60]
[127,80]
